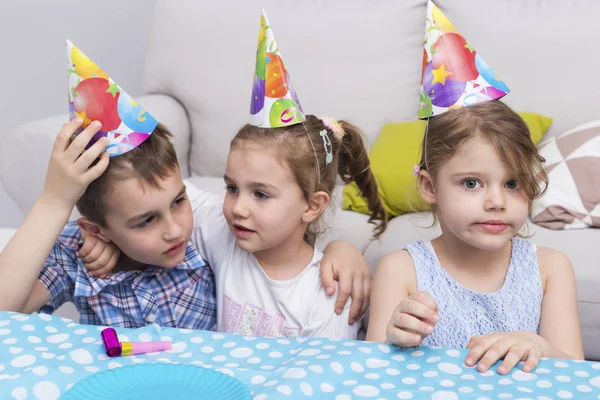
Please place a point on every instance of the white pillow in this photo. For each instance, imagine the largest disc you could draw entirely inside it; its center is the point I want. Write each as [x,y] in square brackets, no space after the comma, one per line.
[572,200]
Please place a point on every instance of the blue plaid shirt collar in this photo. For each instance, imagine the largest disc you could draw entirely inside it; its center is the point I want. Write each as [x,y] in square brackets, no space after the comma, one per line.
[87,285]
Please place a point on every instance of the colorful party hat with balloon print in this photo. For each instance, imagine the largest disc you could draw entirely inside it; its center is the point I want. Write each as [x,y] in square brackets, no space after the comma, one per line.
[93,96]
[454,74]
[274,100]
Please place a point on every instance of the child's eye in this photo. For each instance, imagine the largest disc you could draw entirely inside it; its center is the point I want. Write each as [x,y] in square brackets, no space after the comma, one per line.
[262,195]
[471,184]
[179,200]
[512,184]
[231,189]
[145,222]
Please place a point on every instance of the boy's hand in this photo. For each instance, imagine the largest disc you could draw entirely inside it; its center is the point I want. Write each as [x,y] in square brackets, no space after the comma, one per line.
[345,263]
[510,346]
[69,172]
[99,257]
[413,320]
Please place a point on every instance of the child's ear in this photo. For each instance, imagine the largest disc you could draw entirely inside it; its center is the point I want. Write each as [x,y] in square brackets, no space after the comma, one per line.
[93,229]
[316,205]
[426,187]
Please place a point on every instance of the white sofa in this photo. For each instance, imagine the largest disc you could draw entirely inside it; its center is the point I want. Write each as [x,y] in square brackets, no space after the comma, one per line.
[356,60]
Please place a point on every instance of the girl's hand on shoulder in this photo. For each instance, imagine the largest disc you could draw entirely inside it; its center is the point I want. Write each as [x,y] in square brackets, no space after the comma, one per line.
[343,262]
[510,346]
[99,257]
[413,320]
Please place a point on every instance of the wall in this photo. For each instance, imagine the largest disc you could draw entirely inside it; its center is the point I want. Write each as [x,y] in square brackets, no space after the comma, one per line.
[33,61]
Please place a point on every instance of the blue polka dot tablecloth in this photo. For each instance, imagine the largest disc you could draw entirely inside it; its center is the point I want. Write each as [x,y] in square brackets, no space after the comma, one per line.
[42,357]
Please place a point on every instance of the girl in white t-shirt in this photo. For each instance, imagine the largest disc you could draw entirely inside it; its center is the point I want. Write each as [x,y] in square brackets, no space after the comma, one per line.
[261,242]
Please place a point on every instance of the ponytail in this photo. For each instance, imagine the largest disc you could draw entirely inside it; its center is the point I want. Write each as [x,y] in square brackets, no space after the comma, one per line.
[354,166]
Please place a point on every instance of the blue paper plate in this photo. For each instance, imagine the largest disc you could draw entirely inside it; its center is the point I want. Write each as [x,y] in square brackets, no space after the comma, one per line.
[158,382]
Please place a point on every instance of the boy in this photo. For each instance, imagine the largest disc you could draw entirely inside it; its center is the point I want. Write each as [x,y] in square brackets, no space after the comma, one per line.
[138,202]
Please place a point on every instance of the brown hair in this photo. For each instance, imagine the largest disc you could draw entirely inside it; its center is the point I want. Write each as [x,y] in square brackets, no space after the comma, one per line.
[496,122]
[153,159]
[350,160]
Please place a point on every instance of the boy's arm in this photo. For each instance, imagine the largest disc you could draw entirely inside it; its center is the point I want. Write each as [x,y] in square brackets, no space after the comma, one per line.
[39,296]
[343,262]
[69,174]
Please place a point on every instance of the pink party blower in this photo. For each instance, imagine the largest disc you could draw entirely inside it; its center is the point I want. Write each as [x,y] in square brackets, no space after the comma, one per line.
[114,348]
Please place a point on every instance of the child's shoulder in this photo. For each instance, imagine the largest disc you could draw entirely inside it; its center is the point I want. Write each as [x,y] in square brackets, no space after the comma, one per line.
[396,266]
[553,263]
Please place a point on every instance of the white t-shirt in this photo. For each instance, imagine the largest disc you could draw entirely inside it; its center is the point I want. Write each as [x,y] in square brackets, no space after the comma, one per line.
[248,301]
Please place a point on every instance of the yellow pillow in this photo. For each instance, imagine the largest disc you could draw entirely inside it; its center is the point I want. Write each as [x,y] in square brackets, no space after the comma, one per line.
[393,155]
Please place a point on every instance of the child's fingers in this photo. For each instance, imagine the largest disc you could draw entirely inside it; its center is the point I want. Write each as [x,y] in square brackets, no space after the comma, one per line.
[402,338]
[109,260]
[78,144]
[410,323]
[88,246]
[99,262]
[478,348]
[98,169]
[344,291]
[65,133]
[87,158]
[514,355]
[426,299]
[494,353]
[533,358]
[367,286]
[358,298]
[327,277]
[414,307]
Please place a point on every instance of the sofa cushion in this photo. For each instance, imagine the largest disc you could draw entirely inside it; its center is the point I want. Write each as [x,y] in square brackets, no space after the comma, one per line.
[572,199]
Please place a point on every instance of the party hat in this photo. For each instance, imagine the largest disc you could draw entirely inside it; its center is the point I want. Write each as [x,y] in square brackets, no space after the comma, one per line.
[454,75]
[274,100]
[93,96]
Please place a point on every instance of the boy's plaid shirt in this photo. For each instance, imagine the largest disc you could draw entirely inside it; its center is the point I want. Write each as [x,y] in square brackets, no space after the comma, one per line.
[182,297]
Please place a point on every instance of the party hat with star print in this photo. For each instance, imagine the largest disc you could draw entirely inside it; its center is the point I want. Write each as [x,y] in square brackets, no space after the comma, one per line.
[274,101]
[93,96]
[454,75]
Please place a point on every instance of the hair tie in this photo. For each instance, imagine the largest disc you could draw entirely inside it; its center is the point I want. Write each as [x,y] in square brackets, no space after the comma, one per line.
[416,169]
[334,126]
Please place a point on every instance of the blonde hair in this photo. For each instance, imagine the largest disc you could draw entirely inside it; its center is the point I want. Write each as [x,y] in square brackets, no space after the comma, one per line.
[502,127]
[301,152]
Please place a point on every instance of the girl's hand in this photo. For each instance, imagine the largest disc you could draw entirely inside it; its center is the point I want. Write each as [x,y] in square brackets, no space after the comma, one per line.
[70,169]
[345,263]
[99,257]
[413,320]
[511,346]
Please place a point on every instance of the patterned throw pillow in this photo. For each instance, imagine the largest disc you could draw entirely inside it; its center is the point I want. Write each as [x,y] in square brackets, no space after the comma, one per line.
[572,200]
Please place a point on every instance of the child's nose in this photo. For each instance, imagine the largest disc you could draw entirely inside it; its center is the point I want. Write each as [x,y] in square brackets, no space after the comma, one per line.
[174,229]
[240,208]
[495,200]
